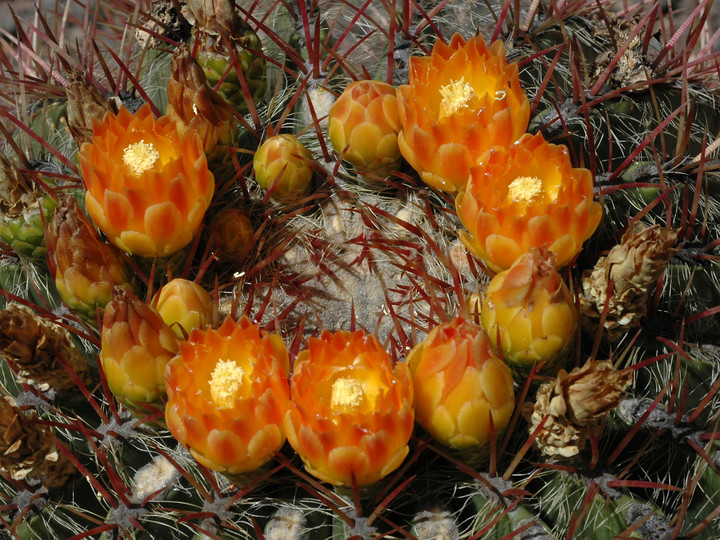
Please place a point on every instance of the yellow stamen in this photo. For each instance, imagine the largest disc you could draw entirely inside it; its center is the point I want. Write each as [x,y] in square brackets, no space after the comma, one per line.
[140,157]
[225,381]
[525,189]
[455,95]
[347,395]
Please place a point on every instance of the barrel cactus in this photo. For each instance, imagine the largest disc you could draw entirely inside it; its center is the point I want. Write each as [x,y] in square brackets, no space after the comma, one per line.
[351,269]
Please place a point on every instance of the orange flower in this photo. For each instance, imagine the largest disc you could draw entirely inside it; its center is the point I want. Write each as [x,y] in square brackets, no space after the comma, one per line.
[351,412]
[283,164]
[461,101]
[363,125]
[459,383]
[528,195]
[148,186]
[227,395]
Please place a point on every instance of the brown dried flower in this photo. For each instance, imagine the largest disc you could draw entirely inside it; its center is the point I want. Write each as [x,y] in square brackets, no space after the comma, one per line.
[29,449]
[85,104]
[36,346]
[631,267]
[193,104]
[573,403]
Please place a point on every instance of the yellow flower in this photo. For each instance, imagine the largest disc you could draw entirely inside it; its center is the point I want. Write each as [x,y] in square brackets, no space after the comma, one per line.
[283,164]
[136,346]
[532,312]
[461,101]
[351,411]
[363,125]
[459,384]
[528,195]
[148,186]
[227,395]
[183,306]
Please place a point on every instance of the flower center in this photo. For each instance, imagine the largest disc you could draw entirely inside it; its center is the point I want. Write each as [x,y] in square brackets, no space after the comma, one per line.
[347,395]
[525,189]
[225,381]
[455,95]
[140,157]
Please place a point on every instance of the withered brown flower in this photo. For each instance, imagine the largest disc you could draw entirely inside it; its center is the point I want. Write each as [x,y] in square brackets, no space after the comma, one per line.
[574,403]
[37,346]
[29,449]
[631,268]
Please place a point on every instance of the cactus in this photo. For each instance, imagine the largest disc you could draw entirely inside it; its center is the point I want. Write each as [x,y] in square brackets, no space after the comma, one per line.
[303,249]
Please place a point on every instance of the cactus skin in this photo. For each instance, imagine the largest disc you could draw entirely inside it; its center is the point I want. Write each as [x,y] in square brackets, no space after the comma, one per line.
[635,105]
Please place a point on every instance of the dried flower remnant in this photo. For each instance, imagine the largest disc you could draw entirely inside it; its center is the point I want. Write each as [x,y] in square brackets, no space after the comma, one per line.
[630,268]
[28,449]
[193,104]
[227,396]
[461,101]
[459,384]
[222,42]
[86,268]
[136,345]
[351,413]
[363,126]
[148,185]
[85,106]
[35,346]
[527,195]
[574,403]
[530,314]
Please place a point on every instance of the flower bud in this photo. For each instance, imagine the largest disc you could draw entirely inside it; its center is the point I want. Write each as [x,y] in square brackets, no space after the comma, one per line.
[183,306]
[283,164]
[363,125]
[459,384]
[531,312]
[136,346]
[86,268]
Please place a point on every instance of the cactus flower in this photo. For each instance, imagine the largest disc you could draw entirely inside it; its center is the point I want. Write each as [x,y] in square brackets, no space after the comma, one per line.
[363,126]
[283,164]
[148,185]
[351,412]
[136,345]
[461,101]
[227,396]
[459,384]
[86,268]
[183,306]
[528,195]
[532,312]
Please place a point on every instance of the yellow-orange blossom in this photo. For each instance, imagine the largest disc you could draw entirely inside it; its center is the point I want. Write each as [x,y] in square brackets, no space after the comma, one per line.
[527,195]
[148,185]
[351,413]
[227,395]
[461,101]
